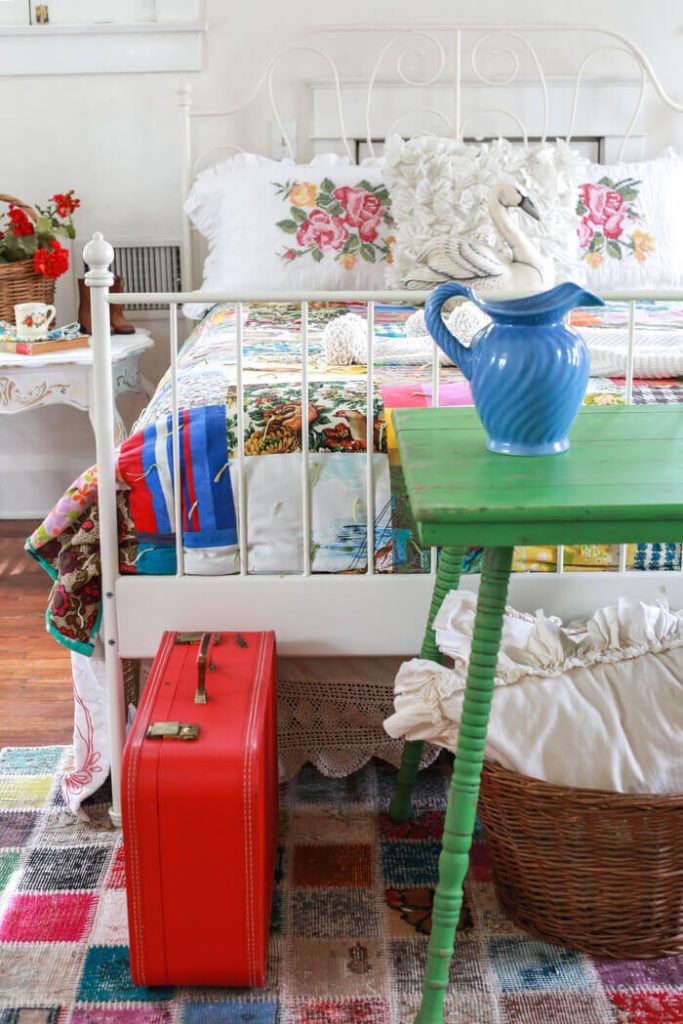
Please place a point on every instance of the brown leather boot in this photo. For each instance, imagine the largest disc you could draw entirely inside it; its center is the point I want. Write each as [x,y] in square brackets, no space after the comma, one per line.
[84,318]
[119,324]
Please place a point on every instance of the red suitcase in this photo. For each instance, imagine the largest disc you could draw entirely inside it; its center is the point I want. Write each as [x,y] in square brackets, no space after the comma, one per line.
[200,811]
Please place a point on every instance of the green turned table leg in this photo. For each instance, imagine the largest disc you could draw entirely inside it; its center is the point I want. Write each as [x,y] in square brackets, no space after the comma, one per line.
[447,578]
[464,791]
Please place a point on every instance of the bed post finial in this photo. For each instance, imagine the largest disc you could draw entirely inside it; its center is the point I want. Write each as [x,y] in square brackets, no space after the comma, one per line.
[98,255]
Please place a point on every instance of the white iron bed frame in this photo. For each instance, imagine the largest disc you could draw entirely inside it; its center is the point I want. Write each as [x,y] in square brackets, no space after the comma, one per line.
[378,614]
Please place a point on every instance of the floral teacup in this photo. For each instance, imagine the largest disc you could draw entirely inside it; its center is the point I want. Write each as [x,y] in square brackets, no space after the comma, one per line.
[33,320]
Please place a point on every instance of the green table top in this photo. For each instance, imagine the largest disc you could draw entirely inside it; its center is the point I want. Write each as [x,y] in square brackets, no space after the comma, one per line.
[620,482]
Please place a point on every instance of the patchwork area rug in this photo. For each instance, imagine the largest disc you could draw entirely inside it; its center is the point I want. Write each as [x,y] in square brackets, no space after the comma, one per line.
[351,915]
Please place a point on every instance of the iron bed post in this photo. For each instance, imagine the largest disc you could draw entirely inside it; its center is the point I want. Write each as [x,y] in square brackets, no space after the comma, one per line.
[98,255]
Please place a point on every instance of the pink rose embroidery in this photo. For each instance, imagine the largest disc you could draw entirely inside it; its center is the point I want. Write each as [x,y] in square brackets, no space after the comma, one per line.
[606,208]
[609,210]
[585,232]
[345,224]
[323,231]
[363,210]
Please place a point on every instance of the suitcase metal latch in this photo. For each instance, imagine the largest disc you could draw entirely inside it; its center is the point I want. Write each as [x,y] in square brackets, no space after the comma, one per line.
[172,731]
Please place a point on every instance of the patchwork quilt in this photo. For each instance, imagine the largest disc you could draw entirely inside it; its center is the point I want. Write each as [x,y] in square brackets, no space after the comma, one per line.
[66,543]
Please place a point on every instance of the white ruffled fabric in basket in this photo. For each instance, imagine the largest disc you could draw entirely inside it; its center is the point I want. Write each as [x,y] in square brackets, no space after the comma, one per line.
[598,708]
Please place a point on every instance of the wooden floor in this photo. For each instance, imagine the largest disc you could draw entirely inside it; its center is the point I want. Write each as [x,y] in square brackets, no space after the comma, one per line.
[36,704]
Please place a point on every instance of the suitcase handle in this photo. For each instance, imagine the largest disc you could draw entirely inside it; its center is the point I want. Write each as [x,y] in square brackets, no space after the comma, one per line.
[203,662]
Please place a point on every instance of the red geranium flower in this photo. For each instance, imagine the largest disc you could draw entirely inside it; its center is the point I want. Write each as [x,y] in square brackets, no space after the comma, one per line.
[66,204]
[20,222]
[51,264]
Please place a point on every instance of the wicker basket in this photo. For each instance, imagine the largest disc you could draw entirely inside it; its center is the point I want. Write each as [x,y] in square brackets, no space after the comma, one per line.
[18,281]
[600,872]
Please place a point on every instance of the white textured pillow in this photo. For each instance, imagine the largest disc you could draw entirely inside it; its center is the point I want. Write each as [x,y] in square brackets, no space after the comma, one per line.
[278,225]
[439,188]
[631,227]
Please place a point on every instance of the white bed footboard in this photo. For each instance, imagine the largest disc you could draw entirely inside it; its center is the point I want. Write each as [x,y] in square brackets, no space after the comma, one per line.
[324,615]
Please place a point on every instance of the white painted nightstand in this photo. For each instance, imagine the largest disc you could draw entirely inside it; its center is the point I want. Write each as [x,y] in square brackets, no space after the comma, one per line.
[28,382]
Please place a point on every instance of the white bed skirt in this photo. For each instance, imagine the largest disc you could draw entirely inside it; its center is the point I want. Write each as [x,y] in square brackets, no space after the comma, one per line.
[330,714]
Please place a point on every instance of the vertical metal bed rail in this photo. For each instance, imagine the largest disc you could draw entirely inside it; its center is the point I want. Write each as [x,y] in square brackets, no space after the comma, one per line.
[99,255]
[305,475]
[370,439]
[629,394]
[175,441]
[241,467]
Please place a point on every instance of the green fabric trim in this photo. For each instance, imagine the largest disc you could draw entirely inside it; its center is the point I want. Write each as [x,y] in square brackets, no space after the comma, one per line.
[41,561]
[74,645]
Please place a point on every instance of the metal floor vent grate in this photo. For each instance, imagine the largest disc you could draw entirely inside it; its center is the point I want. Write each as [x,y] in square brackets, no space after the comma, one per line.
[148,268]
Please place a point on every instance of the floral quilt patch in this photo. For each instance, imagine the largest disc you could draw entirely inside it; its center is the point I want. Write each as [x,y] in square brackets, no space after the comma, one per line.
[610,222]
[341,223]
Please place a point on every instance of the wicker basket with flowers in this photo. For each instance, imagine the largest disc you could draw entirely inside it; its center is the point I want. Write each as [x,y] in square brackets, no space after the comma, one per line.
[31,255]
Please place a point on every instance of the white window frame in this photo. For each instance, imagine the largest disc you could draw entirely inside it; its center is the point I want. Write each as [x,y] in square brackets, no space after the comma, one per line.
[14,12]
[99,12]
[172,41]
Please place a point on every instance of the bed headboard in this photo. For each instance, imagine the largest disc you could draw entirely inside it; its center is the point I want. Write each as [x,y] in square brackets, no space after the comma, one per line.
[349,87]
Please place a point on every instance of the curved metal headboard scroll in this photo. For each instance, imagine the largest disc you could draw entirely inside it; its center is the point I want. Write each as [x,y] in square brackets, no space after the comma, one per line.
[503,47]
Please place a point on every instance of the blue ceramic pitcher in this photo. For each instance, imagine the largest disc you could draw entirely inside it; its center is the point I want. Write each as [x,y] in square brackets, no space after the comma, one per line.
[528,369]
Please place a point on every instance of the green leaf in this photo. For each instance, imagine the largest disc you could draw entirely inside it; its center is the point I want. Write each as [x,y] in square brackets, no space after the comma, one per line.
[43,226]
[367,251]
[330,205]
[581,207]
[606,181]
[290,226]
[326,186]
[382,193]
[365,184]
[613,249]
[317,255]
[352,244]
[298,215]
[628,192]
[597,242]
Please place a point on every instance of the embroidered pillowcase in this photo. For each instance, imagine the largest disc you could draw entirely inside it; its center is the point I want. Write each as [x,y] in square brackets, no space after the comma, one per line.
[439,188]
[278,225]
[631,226]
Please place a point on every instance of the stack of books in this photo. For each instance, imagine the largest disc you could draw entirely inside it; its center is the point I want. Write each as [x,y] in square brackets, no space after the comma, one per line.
[37,348]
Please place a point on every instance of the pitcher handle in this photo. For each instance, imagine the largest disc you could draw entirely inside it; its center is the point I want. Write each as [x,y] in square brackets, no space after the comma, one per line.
[442,335]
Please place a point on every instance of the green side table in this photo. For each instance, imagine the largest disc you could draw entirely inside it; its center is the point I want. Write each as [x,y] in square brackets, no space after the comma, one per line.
[621,481]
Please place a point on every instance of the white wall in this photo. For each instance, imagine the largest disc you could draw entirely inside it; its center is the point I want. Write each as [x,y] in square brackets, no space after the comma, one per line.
[114,138]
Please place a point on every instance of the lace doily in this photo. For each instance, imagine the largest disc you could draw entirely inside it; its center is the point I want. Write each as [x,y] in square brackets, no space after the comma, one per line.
[331,713]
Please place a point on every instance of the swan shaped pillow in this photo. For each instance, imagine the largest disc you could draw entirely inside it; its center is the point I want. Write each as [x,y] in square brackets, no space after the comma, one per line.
[440,190]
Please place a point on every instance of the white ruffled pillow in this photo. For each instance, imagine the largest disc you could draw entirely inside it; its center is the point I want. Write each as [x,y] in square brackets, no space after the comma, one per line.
[631,227]
[439,188]
[277,225]
[601,708]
